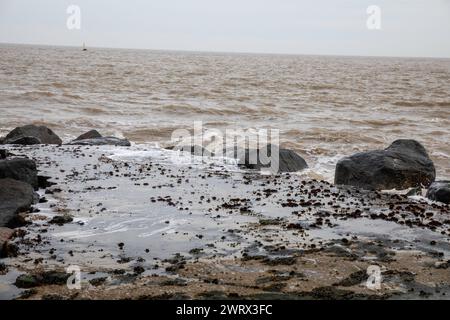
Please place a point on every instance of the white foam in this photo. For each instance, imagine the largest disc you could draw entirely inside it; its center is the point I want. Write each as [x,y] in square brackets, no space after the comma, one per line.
[323,168]
[144,152]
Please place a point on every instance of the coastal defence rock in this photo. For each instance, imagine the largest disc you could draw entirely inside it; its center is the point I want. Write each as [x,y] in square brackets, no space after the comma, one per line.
[15,197]
[404,164]
[92,134]
[31,134]
[287,160]
[103,141]
[439,191]
[21,169]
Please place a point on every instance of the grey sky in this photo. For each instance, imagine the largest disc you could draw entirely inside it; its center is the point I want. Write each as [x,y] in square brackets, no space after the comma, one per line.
[409,27]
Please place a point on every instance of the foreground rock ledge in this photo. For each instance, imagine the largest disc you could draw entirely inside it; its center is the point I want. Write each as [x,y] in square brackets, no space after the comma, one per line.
[272,224]
[404,164]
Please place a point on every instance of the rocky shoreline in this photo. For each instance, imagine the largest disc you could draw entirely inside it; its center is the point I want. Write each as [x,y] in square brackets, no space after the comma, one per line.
[143,227]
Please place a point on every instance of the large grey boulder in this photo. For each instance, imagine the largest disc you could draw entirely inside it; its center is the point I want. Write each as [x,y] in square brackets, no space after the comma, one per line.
[404,164]
[15,197]
[103,141]
[31,134]
[21,169]
[439,191]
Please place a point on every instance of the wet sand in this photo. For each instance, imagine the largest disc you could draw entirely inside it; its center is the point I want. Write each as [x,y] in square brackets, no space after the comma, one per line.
[150,223]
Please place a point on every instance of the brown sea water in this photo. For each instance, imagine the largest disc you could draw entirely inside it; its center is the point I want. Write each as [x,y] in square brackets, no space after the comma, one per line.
[325,107]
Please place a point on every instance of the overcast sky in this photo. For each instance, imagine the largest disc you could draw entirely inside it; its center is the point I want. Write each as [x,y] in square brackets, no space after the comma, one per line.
[408,27]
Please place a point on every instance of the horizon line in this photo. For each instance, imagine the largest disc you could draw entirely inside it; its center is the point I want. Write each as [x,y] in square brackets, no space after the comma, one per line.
[225,52]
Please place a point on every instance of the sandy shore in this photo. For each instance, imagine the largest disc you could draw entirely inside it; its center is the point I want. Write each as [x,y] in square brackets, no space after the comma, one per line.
[150,223]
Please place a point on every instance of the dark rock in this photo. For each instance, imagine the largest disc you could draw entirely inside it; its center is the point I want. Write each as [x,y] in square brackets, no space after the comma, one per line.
[287,160]
[98,281]
[9,250]
[5,154]
[102,142]
[43,134]
[138,270]
[25,281]
[439,191]
[54,277]
[354,279]
[404,164]
[19,220]
[3,268]
[21,169]
[93,134]
[15,196]
[61,220]
[43,182]
[26,141]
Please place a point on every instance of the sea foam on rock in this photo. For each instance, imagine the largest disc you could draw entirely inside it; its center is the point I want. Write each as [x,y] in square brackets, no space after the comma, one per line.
[31,134]
[404,164]
[439,191]
[21,169]
[15,197]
